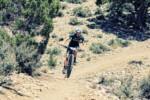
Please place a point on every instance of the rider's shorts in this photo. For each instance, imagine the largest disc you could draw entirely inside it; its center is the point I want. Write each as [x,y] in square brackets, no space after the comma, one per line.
[68,50]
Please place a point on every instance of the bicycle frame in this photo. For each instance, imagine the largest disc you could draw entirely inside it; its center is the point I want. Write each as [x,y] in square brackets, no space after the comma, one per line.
[72,51]
[70,60]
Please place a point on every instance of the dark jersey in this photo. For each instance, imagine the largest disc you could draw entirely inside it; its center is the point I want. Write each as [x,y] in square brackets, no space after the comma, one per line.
[75,40]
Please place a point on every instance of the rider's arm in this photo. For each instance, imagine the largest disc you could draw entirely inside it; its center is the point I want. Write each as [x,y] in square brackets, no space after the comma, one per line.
[65,41]
[70,36]
[83,48]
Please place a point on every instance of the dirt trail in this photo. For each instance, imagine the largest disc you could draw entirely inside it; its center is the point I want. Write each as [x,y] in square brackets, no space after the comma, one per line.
[75,88]
[119,59]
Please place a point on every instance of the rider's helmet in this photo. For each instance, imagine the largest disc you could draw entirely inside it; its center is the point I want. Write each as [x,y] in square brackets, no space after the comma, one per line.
[78,30]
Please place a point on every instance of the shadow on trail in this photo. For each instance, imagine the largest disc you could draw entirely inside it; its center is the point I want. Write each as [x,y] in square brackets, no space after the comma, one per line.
[4,85]
[121,26]
[11,89]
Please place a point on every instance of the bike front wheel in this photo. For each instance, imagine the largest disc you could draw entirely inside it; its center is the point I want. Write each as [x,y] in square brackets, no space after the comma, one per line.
[70,65]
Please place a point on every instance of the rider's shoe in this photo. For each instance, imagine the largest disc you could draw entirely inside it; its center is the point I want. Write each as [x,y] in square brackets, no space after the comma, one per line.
[75,62]
[64,70]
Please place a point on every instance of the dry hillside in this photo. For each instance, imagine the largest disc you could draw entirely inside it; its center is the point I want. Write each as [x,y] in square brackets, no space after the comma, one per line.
[114,67]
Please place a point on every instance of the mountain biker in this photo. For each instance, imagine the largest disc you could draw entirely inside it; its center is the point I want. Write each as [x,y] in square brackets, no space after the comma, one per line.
[76,38]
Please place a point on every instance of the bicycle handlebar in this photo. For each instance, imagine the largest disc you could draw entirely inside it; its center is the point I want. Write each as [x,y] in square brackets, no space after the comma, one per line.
[71,47]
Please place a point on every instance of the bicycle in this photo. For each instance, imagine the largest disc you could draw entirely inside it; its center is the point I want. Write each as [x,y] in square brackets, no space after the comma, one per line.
[70,60]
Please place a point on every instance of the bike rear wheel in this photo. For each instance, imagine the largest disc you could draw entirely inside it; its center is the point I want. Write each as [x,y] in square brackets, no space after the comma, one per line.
[70,65]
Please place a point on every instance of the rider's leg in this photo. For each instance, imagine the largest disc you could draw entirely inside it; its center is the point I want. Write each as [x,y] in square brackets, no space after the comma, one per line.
[65,62]
[76,51]
[67,55]
[75,57]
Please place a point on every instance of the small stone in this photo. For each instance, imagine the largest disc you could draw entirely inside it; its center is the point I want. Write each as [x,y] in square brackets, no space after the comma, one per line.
[123,72]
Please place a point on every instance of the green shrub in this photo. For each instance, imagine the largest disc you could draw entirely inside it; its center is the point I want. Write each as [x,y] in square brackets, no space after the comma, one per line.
[74,21]
[126,44]
[88,59]
[24,58]
[48,51]
[100,2]
[98,48]
[77,10]
[72,32]
[62,0]
[123,91]
[98,11]
[60,14]
[29,15]
[99,35]
[117,7]
[56,51]
[45,32]
[123,43]
[136,62]
[76,1]
[33,33]
[4,3]
[67,12]
[7,59]
[145,88]
[128,7]
[106,81]
[5,49]
[18,24]
[118,42]
[12,9]
[1,17]
[7,67]
[21,39]
[64,6]
[127,90]
[51,62]
[85,31]
[84,0]
[86,12]
[6,38]
[27,58]
[54,35]
[61,39]
[113,43]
